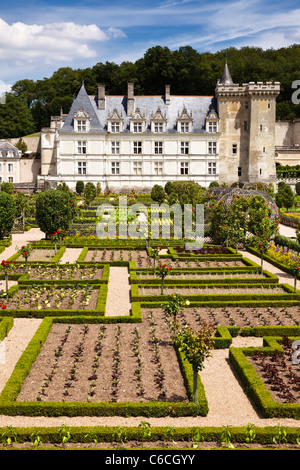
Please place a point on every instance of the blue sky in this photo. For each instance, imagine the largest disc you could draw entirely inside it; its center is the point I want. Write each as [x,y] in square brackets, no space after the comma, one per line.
[38,37]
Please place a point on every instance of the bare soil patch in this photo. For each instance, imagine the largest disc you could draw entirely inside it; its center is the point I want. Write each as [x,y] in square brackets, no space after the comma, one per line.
[142,260]
[236,316]
[107,363]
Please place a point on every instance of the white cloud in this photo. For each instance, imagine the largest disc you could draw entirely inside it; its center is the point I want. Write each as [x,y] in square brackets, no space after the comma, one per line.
[49,43]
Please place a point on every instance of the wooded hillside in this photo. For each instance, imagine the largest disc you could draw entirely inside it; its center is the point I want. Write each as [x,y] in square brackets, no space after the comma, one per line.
[31,103]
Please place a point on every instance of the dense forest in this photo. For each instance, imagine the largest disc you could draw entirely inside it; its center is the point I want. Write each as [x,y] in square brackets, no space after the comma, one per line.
[31,103]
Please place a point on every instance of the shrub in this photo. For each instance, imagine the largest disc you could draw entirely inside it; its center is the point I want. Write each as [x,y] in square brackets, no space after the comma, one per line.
[79,187]
[7,214]
[54,210]
[158,193]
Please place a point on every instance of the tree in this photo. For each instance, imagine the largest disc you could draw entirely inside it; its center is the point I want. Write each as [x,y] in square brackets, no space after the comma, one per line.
[158,193]
[285,196]
[7,214]
[196,346]
[89,192]
[54,211]
[262,224]
[79,187]
[15,118]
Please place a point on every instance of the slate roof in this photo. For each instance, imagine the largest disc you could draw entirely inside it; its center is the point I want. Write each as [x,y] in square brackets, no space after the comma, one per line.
[226,77]
[197,106]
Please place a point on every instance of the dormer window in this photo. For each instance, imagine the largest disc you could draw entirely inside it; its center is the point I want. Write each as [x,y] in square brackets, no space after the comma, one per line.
[212,121]
[138,122]
[158,122]
[81,121]
[184,122]
[115,122]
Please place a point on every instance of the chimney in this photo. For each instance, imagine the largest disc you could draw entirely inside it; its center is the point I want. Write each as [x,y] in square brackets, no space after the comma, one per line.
[101,96]
[130,99]
[167,94]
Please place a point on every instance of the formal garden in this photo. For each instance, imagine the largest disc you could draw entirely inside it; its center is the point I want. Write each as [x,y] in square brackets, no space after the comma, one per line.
[146,364]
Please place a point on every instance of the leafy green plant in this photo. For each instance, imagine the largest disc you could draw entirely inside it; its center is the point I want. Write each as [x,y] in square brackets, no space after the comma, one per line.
[280,437]
[9,435]
[144,430]
[250,433]
[35,439]
[226,437]
[120,434]
[65,434]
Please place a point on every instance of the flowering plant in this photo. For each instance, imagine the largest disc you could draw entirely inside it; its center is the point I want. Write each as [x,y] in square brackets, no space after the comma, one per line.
[6,266]
[57,235]
[162,271]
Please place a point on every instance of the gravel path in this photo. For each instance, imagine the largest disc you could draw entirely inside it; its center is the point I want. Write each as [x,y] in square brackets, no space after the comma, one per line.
[228,404]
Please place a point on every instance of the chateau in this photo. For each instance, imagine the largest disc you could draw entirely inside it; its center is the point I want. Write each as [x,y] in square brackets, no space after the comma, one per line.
[133,142]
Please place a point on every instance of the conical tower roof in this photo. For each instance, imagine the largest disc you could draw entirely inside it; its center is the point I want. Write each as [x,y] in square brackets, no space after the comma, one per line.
[226,77]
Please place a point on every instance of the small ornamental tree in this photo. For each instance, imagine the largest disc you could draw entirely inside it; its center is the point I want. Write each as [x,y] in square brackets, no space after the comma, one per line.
[79,187]
[89,193]
[57,236]
[262,224]
[296,272]
[173,308]
[154,253]
[5,267]
[162,272]
[196,346]
[25,252]
[54,211]
[7,214]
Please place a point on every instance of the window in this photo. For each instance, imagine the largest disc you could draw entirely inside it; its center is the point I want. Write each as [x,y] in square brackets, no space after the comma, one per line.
[245,125]
[212,127]
[184,168]
[115,127]
[115,168]
[158,148]
[137,168]
[81,147]
[0,166]
[184,148]
[260,127]
[264,149]
[10,167]
[81,126]
[212,148]
[212,168]
[81,168]
[137,148]
[246,104]
[234,149]
[239,171]
[137,127]
[115,148]
[0,179]
[10,179]
[158,167]
[158,127]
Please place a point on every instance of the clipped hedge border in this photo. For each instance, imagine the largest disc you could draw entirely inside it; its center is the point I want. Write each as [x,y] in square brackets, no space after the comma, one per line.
[6,323]
[10,406]
[41,313]
[114,434]
[254,386]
